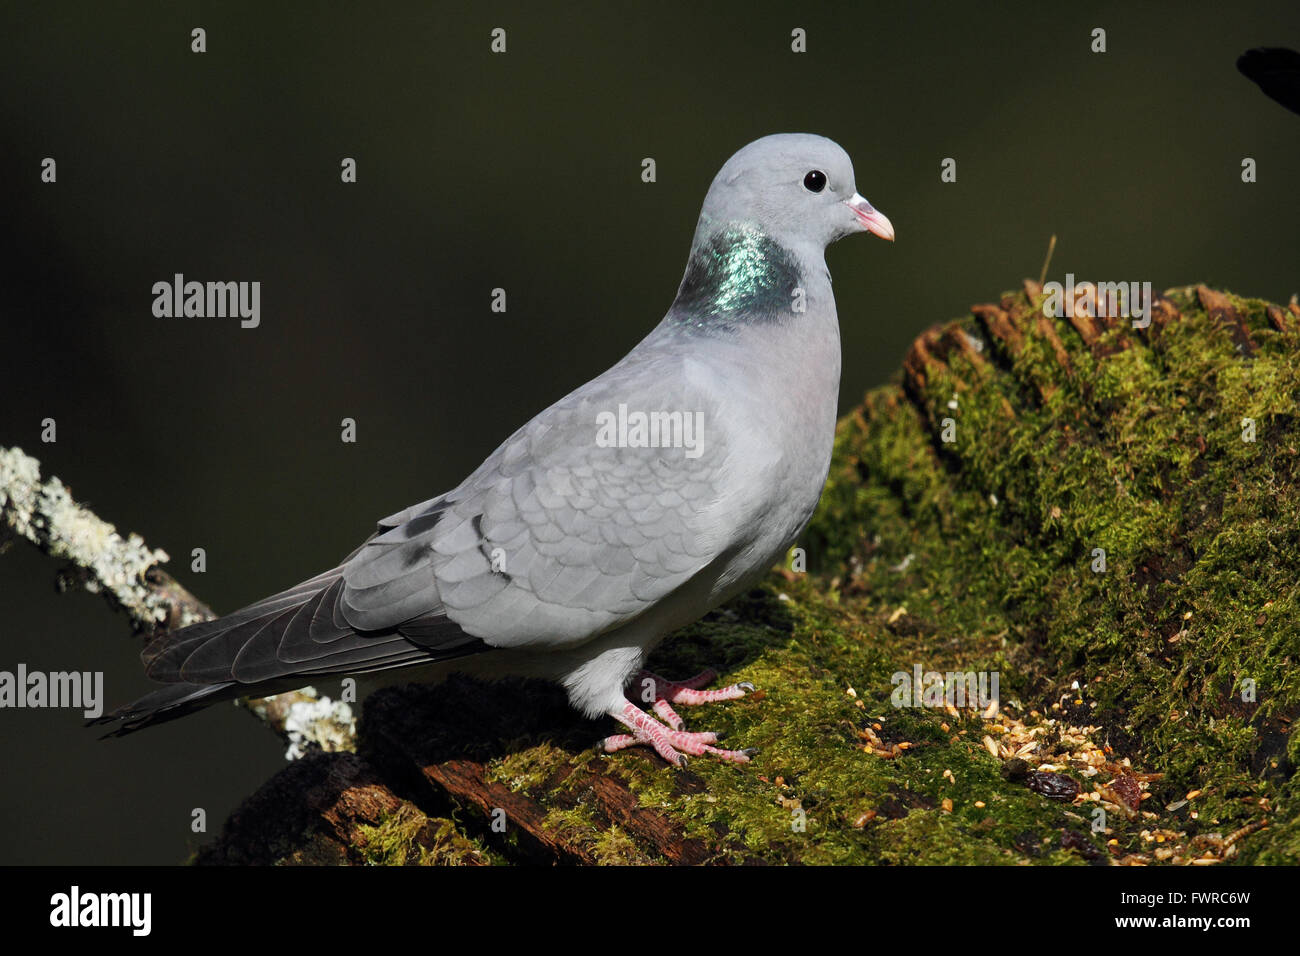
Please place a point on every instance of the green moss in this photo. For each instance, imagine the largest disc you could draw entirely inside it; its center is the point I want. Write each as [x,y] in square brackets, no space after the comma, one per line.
[530,768]
[608,844]
[804,796]
[407,837]
[1138,453]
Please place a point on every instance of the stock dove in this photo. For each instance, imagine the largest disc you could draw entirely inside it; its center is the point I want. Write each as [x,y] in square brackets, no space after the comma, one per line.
[624,511]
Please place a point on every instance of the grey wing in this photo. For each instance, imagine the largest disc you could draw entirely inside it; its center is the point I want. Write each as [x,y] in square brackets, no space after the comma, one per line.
[556,537]
[553,540]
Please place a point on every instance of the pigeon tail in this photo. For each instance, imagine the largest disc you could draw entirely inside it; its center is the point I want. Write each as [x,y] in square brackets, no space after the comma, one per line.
[278,644]
[160,706]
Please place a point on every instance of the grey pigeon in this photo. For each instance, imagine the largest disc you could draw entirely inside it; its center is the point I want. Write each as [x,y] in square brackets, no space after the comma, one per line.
[626,510]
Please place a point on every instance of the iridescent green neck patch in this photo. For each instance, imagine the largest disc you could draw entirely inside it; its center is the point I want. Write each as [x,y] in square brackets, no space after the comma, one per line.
[738,276]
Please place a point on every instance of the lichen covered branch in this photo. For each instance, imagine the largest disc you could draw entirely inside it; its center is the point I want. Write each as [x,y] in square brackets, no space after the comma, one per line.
[128,572]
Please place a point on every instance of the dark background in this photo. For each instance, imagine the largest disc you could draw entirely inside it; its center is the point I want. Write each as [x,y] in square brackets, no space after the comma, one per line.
[521,171]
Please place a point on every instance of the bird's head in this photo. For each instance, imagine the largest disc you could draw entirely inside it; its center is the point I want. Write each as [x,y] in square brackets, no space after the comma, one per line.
[795,187]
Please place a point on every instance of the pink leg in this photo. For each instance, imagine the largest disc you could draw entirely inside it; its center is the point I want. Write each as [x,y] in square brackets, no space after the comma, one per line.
[666,741]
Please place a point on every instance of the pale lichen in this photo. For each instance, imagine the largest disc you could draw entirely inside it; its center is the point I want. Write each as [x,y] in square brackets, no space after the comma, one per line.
[104,562]
[323,723]
[45,514]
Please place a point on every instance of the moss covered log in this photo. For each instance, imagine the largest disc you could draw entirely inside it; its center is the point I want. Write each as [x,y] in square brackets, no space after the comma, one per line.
[1105,517]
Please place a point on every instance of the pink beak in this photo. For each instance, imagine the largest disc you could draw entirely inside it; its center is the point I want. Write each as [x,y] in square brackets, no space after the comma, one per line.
[872,220]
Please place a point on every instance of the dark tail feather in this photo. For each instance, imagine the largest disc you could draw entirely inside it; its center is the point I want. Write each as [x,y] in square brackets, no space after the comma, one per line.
[167,703]
[280,643]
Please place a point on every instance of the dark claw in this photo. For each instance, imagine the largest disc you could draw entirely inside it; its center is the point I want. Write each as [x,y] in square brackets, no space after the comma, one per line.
[750,752]
[683,761]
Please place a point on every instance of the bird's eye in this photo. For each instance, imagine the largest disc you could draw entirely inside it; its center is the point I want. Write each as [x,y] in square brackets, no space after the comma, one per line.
[815,181]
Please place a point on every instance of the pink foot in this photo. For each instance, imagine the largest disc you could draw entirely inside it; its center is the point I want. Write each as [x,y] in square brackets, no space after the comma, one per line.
[667,741]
